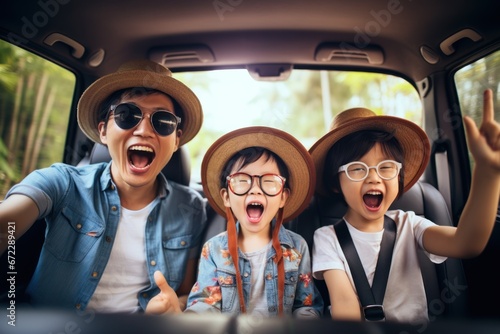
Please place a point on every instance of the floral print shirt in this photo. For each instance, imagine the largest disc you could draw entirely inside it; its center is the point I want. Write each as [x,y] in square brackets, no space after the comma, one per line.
[215,289]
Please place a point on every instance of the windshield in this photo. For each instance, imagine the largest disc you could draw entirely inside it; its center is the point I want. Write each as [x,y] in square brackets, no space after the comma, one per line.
[302,105]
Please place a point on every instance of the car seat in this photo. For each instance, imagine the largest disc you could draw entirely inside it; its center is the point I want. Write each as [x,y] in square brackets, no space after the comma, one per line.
[445,283]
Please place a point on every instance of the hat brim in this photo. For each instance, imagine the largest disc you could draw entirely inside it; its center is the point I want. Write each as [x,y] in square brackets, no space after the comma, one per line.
[93,97]
[301,179]
[414,141]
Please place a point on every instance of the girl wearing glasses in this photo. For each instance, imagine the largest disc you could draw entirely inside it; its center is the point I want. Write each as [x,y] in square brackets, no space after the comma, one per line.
[258,178]
[370,161]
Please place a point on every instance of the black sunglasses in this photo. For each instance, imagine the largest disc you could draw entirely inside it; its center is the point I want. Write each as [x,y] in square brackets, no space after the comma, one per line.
[128,115]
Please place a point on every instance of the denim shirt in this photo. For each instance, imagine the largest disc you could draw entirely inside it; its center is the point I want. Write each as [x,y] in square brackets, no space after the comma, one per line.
[81,207]
[216,290]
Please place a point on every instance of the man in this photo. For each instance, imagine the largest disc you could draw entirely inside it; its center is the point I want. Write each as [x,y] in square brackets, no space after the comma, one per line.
[110,226]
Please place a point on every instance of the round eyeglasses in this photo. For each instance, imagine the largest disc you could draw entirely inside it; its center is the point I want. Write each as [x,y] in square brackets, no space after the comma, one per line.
[241,183]
[358,171]
[128,116]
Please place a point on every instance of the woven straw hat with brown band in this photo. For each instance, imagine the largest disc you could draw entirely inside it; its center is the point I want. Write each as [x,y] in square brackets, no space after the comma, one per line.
[301,182]
[141,73]
[412,138]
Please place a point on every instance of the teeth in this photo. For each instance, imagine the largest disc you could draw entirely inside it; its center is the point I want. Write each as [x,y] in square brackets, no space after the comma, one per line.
[255,203]
[374,193]
[141,148]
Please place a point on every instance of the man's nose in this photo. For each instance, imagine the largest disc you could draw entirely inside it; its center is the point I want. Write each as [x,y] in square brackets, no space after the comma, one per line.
[144,128]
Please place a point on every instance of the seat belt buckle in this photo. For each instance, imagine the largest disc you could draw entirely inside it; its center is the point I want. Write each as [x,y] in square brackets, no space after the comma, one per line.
[374,313]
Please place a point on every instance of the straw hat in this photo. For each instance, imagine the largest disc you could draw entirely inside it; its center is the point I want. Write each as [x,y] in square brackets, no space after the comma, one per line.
[141,73]
[414,141]
[298,161]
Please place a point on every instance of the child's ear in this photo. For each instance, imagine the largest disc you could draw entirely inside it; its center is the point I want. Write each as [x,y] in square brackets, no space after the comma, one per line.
[225,197]
[284,197]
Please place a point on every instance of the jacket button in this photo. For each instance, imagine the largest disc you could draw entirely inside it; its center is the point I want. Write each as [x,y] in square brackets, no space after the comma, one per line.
[269,276]
[153,263]
[113,208]
[94,274]
[78,226]
[245,275]
[183,243]
[108,238]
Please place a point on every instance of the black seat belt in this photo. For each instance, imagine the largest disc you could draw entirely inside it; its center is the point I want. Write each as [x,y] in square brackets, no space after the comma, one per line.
[371,298]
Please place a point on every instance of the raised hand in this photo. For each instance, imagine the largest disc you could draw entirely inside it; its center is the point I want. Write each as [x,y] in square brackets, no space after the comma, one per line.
[166,301]
[484,143]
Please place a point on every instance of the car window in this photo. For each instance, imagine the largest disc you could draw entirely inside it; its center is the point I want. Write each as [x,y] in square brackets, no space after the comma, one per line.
[35,102]
[302,105]
[472,80]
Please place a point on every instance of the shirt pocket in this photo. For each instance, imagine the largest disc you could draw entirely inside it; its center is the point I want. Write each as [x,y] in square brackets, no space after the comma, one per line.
[176,251]
[71,236]
[229,290]
[291,280]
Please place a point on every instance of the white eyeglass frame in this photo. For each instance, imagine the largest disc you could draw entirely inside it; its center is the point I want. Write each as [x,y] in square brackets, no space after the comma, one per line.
[344,168]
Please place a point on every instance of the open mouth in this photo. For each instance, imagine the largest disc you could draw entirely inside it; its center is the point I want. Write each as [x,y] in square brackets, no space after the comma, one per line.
[373,199]
[140,156]
[254,211]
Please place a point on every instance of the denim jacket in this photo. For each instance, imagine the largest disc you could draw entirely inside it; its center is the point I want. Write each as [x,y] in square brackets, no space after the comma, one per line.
[81,207]
[216,290]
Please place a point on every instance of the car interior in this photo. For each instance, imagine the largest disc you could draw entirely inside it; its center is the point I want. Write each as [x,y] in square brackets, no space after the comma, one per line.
[289,64]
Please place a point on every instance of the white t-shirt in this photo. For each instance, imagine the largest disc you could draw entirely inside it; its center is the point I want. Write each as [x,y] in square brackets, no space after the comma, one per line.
[126,272]
[405,299]
[258,299]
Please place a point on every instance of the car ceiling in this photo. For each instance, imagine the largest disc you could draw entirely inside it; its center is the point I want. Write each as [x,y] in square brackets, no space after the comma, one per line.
[236,33]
